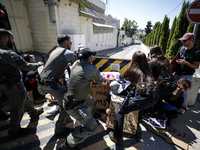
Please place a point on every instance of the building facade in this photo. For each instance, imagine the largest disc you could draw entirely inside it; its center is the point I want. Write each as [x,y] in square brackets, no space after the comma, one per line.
[36,24]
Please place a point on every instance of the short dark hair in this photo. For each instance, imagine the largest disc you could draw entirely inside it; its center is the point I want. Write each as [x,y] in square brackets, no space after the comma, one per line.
[63,38]
[4,33]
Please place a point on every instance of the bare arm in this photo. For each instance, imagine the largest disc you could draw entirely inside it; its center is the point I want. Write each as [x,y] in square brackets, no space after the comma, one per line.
[194,66]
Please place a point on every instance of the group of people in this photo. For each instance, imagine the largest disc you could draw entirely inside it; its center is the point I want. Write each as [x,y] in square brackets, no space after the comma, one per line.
[141,74]
[75,101]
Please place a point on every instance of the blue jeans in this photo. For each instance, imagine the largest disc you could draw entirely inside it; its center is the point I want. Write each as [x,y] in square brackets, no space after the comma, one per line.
[185,95]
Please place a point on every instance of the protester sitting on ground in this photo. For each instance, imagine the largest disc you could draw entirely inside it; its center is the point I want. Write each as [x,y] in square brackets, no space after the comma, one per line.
[27,58]
[31,85]
[144,92]
[161,71]
[118,88]
[176,98]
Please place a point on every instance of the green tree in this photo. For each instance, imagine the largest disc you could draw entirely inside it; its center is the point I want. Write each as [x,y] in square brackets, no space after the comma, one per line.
[82,5]
[197,36]
[158,35]
[171,35]
[180,30]
[129,26]
[148,28]
[164,34]
[156,26]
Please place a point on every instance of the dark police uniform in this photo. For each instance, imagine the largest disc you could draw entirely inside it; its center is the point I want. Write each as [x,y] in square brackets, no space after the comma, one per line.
[52,71]
[11,84]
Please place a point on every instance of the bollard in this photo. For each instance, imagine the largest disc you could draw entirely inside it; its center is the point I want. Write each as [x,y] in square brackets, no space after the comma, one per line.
[193,92]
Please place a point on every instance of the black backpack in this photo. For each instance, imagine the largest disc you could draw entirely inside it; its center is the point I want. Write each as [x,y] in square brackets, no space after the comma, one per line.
[166,85]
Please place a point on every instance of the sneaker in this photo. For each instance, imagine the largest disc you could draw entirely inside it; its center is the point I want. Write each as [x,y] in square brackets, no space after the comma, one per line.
[114,138]
[21,131]
[65,146]
[54,109]
[39,112]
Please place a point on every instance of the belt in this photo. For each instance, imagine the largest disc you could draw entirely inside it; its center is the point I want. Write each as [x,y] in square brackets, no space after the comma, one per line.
[77,103]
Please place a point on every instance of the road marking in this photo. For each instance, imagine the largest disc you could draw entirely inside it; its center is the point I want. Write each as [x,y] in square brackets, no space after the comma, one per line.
[194,11]
[27,139]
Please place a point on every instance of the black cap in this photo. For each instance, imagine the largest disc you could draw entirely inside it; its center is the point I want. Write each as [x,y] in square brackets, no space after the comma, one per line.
[85,54]
[30,75]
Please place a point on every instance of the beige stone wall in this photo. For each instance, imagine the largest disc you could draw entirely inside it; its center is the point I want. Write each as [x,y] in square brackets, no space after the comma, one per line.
[68,21]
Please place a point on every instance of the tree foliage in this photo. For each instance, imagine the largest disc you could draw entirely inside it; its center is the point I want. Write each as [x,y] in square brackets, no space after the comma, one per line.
[82,5]
[156,25]
[171,35]
[180,29]
[129,26]
[164,34]
[197,36]
[148,28]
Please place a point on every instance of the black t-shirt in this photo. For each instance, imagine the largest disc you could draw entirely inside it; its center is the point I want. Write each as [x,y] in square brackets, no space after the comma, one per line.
[187,55]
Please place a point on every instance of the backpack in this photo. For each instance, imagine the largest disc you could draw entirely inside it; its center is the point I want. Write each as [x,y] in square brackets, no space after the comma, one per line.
[166,85]
[146,96]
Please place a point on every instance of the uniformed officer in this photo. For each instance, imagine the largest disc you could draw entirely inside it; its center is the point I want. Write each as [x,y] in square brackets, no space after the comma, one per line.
[53,70]
[82,74]
[10,81]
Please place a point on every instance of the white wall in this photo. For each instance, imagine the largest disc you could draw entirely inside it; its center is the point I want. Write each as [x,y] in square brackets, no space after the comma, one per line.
[18,17]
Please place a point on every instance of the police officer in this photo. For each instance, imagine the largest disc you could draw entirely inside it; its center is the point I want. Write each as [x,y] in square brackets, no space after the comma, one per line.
[53,70]
[10,80]
[82,74]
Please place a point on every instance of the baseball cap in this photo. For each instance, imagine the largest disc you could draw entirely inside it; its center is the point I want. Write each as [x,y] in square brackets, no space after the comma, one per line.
[187,36]
[85,54]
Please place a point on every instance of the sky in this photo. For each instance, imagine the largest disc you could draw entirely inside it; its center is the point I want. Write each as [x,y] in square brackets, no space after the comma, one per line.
[143,11]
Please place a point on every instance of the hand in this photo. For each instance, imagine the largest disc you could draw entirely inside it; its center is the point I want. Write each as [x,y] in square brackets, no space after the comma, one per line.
[106,82]
[93,82]
[180,61]
[41,63]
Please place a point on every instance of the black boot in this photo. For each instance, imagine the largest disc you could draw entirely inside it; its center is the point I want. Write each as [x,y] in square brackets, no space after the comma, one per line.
[114,138]
[21,131]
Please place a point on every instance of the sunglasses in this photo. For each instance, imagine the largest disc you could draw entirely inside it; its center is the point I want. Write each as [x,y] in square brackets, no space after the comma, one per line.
[185,40]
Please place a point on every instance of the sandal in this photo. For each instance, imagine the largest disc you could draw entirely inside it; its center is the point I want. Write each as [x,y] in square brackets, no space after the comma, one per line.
[181,111]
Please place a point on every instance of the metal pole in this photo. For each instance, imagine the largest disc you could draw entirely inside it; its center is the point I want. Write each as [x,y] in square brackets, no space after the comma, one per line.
[195,30]
[49,5]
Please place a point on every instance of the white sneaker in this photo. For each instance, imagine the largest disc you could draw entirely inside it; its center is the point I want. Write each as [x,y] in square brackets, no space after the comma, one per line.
[54,109]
